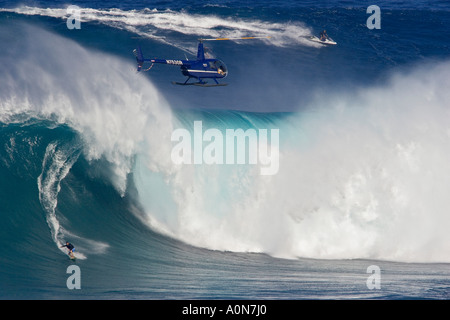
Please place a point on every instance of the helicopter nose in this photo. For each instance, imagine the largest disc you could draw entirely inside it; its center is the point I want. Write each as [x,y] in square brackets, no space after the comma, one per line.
[221,68]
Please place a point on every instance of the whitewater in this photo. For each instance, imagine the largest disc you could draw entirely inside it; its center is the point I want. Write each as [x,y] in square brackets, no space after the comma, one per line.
[362,178]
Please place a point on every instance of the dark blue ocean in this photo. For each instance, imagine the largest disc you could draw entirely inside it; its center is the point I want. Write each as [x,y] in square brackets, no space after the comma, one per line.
[356,205]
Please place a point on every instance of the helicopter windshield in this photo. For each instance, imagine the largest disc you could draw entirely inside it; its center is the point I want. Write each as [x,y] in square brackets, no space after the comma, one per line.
[220,67]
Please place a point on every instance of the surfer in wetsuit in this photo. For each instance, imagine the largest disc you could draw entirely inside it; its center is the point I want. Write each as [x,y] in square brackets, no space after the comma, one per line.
[323,35]
[69,246]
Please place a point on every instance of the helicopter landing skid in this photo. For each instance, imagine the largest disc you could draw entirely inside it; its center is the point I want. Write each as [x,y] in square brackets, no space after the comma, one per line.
[204,84]
[183,83]
[200,84]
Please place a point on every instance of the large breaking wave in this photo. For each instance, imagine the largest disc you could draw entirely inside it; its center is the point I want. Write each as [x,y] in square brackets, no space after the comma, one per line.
[97,95]
[363,173]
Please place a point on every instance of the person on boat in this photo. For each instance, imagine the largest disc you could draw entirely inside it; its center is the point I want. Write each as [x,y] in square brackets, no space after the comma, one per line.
[323,35]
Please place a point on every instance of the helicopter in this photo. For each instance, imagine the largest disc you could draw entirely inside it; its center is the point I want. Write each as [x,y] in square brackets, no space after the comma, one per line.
[199,69]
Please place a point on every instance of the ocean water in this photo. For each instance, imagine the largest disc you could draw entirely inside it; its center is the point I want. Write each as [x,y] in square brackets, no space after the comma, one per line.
[356,206]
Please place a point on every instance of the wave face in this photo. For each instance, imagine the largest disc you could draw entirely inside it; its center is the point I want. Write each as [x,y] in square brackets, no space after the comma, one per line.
[89,145]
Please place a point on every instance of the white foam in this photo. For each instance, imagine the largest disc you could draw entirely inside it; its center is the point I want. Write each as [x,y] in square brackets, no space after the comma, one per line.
[56,165]
[153,23]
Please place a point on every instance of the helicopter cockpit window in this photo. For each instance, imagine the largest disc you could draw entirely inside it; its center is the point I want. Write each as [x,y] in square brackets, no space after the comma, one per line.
[220,67]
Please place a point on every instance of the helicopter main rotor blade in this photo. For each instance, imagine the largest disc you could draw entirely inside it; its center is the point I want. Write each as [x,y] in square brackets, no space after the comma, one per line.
[241,38]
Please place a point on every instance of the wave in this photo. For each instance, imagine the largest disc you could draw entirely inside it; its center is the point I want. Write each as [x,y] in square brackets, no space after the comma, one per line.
[359,171]
[88,101]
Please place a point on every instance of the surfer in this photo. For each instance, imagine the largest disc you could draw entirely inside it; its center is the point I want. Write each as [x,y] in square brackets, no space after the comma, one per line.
[323,35]
[69,246]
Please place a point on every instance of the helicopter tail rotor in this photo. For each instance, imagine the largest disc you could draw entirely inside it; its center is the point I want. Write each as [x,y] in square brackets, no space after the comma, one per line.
[140,59]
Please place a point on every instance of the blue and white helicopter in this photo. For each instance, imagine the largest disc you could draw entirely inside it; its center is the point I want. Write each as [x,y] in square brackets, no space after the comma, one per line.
[199,69]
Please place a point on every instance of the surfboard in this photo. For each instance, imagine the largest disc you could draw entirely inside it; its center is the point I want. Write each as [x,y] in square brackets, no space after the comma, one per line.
[72,257]
[328,41]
